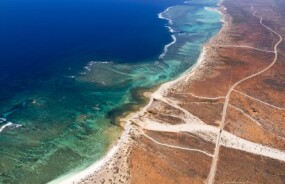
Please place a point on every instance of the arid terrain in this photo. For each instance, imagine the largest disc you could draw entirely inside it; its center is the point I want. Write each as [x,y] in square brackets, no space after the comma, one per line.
[223,121]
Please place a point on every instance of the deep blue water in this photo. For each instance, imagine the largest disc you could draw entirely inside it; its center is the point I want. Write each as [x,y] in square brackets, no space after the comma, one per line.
[40,38]
[63,110]
[43,31]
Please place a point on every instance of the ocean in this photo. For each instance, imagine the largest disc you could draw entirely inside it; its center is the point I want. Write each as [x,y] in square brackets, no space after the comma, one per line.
[69,69]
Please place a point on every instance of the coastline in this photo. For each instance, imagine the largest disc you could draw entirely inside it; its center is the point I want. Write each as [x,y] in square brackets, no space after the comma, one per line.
[79,176]
[228,151]
[129,127]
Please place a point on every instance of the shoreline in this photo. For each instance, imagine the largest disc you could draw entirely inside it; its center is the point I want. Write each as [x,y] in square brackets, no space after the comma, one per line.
[95,167]
[127,127]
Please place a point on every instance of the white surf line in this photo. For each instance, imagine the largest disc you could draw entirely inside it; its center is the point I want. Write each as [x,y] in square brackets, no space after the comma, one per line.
[6,125]
[166,48]
[202,97]
[243,46]
[248,116]
[174,39]
[212,173]
[209,133]
[165,18]
[177,147]
[253,98]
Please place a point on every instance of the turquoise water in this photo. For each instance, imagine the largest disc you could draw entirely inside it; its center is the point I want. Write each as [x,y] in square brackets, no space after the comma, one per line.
[68,123]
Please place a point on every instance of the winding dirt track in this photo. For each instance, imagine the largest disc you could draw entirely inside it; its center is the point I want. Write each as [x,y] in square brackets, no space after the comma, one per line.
[213,169]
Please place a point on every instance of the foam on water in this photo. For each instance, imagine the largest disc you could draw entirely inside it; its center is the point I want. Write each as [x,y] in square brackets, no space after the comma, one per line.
[161,15]
[167,46]
[170,21]
[10,125]
[4,126]
[91,63]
